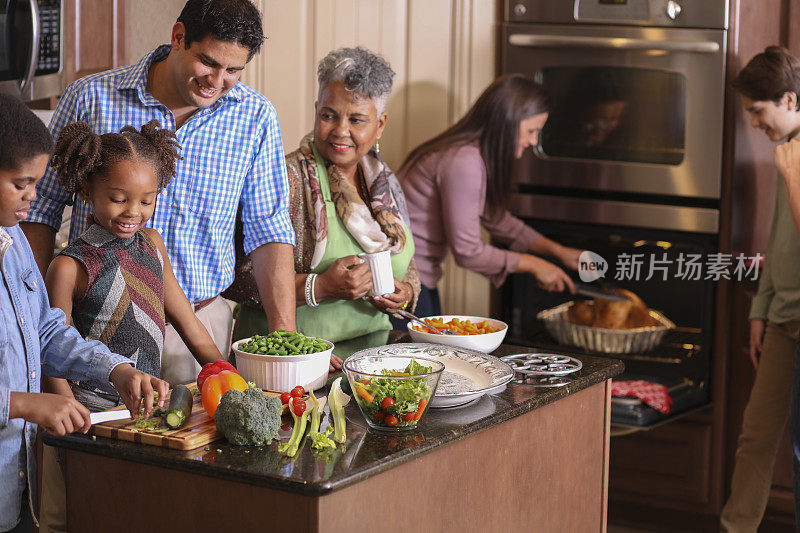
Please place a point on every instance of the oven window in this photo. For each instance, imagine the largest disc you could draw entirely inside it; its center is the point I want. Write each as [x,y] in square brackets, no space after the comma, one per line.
[615,114]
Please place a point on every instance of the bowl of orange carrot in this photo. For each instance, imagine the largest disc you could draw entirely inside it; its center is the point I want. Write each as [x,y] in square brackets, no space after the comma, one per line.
[472,332]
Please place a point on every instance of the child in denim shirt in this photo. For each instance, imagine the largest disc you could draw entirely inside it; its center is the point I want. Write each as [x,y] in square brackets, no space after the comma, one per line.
[34,337]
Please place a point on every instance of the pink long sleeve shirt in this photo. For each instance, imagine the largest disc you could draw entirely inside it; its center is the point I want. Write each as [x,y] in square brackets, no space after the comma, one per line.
[446,196]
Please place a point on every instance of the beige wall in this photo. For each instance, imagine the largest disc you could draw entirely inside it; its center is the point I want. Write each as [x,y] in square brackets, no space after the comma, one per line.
[149,23]
[442,51]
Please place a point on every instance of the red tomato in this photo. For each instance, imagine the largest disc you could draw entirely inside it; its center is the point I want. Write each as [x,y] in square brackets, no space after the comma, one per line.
[390,420]
[386,403]
[298,392]
[285,397]
[299,406]
[379,415]
[408,417]
[218,384]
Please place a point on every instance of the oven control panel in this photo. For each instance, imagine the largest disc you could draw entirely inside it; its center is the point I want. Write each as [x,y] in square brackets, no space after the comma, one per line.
[712,14]
[608,10]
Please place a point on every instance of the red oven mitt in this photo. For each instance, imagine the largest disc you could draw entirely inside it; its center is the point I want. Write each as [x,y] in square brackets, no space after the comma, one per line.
[653,394]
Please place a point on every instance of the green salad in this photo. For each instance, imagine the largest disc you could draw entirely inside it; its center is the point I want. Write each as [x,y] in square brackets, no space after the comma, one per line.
[399,399]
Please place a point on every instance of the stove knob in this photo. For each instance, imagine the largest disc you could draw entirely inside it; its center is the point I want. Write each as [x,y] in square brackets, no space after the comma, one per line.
[520,10]
[673,9]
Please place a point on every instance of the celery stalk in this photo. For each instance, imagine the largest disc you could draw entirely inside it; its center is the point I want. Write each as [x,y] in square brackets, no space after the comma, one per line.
[316,413]
[337,400]
[298,430]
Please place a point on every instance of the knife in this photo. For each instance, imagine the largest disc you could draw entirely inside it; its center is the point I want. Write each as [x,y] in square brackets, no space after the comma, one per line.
[109,416]
[596,292]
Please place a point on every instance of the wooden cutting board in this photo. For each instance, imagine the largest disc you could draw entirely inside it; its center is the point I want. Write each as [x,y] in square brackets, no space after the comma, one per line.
[198,431]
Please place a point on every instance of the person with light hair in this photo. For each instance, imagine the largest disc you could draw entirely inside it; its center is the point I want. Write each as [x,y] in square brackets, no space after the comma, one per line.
[345,201]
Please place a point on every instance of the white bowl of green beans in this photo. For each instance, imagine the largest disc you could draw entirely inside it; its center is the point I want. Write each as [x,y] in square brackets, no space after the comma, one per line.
[283,360]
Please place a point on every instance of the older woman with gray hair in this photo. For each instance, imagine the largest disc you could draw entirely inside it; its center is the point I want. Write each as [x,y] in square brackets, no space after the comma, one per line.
[344,201]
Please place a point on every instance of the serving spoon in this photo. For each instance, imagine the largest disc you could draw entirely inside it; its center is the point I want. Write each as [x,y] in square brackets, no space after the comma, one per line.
[405,314]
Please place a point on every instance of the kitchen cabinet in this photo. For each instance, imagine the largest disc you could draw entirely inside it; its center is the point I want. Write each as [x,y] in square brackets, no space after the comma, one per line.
[670,475]
[94,34]
[683,451]
[526,458]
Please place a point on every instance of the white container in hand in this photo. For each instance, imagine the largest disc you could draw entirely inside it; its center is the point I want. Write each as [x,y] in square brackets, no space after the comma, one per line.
[380,264]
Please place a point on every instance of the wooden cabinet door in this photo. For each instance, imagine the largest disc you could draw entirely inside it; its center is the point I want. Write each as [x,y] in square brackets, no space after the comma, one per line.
[94,34]
[667,466]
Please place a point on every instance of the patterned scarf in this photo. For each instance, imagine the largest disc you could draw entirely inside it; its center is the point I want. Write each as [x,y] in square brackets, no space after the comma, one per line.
[383,231]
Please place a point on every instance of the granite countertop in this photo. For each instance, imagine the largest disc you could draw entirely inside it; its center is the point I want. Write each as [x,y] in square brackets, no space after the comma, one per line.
[365,453]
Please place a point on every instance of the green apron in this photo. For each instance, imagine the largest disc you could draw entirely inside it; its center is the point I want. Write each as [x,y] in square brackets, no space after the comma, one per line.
[351,325]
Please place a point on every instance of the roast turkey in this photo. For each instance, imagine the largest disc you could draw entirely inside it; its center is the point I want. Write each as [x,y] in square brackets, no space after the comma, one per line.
[609,314]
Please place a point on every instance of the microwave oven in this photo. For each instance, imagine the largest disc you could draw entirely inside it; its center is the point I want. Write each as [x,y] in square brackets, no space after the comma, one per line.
[31,48]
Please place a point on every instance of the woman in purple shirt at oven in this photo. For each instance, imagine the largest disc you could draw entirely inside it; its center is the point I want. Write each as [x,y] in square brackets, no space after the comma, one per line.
[460,180]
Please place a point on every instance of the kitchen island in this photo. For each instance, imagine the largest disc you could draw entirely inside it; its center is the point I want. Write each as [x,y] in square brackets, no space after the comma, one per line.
[532,458]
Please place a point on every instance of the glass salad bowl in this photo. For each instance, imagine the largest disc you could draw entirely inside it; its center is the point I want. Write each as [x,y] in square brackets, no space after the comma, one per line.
[393,392]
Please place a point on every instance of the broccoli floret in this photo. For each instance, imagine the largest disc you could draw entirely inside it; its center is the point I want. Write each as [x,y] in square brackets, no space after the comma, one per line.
[248,418]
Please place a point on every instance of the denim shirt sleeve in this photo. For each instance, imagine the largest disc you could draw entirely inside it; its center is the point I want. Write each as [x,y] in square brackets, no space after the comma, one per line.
[64,353]
[5,406]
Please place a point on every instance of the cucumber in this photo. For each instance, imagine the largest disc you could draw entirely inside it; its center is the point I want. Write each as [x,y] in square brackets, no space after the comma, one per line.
[180,407]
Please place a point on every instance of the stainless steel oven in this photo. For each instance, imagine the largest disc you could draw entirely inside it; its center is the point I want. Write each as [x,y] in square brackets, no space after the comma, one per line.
[31,48]
[637,92]
[682,360]
[629,163]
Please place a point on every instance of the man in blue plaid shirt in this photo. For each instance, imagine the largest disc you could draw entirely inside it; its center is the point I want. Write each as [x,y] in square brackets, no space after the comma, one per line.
[232,159]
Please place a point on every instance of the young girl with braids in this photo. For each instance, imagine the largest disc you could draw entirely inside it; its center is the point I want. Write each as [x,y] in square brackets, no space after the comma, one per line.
[115,281]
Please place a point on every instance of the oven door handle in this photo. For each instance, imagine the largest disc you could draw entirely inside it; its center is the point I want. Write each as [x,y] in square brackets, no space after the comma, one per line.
[34,46]
[611,43]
